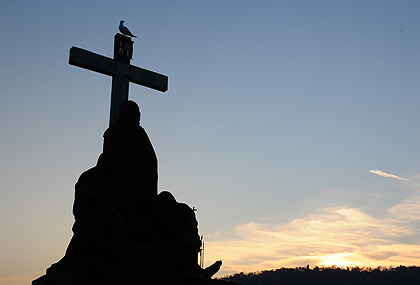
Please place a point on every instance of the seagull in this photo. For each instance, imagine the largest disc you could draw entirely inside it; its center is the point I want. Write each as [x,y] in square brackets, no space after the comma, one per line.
[125,31]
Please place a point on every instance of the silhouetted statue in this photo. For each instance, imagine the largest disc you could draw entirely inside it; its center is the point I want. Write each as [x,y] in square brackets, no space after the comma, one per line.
[114,199]
[136,171]
[123,234]
[175,226]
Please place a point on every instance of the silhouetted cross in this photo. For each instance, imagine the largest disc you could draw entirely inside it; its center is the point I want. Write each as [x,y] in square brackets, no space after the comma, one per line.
[120,69]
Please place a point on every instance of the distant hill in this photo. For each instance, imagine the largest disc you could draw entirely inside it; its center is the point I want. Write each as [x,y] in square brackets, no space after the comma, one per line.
[330,275]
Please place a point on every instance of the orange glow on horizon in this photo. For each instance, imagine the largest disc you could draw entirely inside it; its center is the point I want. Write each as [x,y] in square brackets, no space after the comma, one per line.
[337,236]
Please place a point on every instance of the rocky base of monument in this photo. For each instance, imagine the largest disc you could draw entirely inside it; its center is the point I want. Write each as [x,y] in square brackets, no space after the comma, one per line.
[104,272]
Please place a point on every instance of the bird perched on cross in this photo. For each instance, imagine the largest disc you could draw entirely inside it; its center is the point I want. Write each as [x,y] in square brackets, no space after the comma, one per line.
[124,30]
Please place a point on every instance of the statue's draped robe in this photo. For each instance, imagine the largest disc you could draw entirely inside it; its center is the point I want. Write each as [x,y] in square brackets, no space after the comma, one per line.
[114,199]
[137,172]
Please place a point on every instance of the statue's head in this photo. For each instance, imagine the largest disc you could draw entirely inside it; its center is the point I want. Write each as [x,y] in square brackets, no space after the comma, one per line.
[165,200]
[129,113]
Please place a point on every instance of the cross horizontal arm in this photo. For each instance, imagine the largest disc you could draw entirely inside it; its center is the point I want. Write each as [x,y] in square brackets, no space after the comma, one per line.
[92,61]
[149,78]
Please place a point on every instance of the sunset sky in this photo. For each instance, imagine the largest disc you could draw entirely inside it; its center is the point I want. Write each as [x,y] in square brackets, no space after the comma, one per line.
[292,126]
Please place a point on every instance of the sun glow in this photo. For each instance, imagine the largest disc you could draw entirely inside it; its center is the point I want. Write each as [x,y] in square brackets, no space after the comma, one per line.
[339,236]
[339,260]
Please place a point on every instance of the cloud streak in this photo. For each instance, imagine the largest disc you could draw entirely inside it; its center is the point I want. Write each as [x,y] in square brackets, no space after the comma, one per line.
[384,174]
[342,236]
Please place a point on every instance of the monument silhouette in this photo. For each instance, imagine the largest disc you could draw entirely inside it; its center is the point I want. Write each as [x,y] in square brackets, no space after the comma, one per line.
[124,231]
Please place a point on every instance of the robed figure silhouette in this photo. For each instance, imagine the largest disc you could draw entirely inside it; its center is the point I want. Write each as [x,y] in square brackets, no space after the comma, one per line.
[114,199]
[120,235]
[128,145]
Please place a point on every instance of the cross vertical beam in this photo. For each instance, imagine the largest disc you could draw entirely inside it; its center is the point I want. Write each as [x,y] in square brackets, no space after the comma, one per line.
[119,91]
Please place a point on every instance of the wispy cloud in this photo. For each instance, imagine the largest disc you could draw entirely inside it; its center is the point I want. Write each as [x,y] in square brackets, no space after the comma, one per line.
[384,174]
[338,235]
[407,210]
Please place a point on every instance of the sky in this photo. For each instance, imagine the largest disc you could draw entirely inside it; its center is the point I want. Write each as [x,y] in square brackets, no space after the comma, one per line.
[292,126]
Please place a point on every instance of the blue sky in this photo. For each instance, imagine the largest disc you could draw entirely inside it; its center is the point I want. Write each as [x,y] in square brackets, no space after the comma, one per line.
[277,115]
